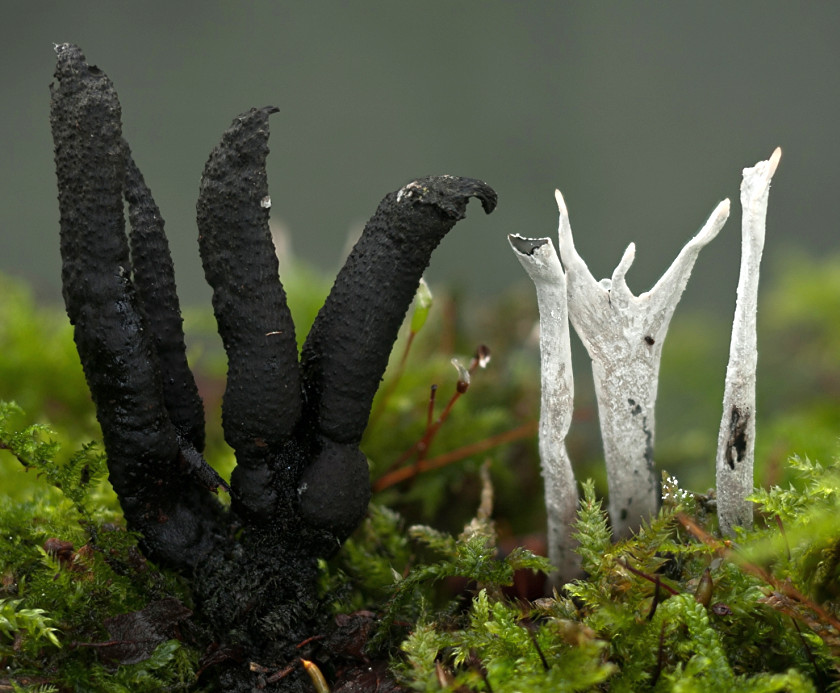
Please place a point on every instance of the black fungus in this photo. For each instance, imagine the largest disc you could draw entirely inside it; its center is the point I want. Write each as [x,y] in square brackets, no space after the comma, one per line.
[347,349]
[301,482]
[96,272]
[262,400]
[114,346]
[154,280]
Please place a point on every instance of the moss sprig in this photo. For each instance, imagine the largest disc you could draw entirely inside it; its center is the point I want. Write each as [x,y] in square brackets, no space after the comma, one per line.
[67,566]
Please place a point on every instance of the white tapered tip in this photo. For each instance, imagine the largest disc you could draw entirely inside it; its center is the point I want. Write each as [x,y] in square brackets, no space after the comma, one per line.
[624,265]
[561,203]
[714,224]
[774,159]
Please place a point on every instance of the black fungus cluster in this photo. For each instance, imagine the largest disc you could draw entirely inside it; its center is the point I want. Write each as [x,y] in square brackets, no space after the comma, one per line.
[301,483]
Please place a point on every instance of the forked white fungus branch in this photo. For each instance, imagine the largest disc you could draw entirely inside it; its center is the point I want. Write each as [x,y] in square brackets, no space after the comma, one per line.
[736,439]
[624,334]
[538,257]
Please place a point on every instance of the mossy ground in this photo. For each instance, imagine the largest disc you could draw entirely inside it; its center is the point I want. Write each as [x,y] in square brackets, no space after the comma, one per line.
[435,606]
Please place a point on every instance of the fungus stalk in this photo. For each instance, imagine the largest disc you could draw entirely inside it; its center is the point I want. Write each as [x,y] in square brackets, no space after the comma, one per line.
[736,439]
[624,334]
[538,257]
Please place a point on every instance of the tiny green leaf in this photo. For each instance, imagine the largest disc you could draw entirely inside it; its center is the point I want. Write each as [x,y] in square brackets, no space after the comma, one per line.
[422,304]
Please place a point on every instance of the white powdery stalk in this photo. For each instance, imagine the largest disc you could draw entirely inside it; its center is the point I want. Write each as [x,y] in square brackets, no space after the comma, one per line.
[538,257]
[624,334]
[736,439]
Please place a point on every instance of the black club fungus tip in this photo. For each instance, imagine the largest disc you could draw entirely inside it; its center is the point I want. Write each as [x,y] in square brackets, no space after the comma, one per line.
[346,351]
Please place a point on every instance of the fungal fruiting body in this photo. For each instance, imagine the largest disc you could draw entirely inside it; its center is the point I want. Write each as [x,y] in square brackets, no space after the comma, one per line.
[538,257]
[301,483]
[736,438]
[624,335]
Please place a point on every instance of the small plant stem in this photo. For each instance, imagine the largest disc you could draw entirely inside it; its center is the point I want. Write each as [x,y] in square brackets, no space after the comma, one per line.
[656,580]
[421,447]
[784,534]
[537,647]
[656,597]
[660,656]
[435,427]
[783,590]
[430,410]
[403,473]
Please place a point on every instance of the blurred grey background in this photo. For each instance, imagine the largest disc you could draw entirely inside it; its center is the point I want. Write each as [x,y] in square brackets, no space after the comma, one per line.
[643,114]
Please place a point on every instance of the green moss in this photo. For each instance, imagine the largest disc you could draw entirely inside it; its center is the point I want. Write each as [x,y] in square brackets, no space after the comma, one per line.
[67,566]
[665,610]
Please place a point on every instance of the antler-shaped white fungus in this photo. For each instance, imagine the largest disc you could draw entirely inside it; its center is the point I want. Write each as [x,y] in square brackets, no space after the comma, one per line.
[623,334]
[736,439]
